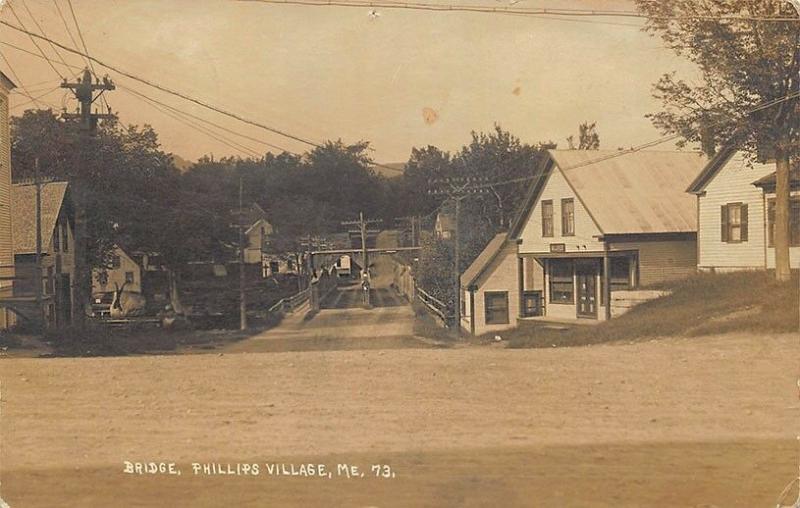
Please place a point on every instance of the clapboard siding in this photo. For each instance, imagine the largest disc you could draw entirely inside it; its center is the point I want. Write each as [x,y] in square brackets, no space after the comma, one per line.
[6,244]
[557,188]
[733,184]
[501,275]
[662,260]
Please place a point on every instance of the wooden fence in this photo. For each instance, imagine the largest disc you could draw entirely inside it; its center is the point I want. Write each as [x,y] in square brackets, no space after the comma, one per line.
[404,283]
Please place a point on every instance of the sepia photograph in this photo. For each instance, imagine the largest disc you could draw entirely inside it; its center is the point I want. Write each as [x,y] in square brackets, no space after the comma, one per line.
[400,253]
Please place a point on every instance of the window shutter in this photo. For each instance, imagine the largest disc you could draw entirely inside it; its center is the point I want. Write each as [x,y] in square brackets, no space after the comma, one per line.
[744,222]
[724,222]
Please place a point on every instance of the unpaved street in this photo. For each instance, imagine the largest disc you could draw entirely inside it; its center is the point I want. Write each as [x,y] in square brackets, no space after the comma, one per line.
[701,422]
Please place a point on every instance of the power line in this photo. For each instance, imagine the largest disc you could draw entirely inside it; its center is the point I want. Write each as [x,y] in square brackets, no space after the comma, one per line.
[180,118]
[209,122]
[85,48]
[33,18]
[66,27]
[31,36]
[178,94]
[36,98]
[176,110]
[641,147]
[420,6]
[166,89]
[16,77]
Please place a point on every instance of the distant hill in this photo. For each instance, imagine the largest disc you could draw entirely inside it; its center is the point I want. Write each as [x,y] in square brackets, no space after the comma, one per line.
[395,171]
[182,164]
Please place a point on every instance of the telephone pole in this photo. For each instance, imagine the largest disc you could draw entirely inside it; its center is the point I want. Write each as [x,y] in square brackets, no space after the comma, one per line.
[242,279]
[85,91]
[456,189]
[38,181]
[362,229]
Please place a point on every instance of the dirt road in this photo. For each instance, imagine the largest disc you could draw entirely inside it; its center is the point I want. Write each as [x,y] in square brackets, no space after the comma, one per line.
[701,422]
[343,322]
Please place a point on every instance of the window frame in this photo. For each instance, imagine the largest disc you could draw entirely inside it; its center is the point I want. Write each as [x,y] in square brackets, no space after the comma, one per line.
[548,225]
[131,279]
[553,279]
[530,294]
[728,226]
[567,220]
[489,311]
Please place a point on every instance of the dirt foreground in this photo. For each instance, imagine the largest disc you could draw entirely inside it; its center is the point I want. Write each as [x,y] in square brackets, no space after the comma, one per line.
[700,422]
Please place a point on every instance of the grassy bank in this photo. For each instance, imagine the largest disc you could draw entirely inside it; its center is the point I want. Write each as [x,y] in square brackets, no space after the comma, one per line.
[705,304]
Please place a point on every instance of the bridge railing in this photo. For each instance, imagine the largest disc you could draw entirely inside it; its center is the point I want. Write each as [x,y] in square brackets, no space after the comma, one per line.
[290,303]
[437,307]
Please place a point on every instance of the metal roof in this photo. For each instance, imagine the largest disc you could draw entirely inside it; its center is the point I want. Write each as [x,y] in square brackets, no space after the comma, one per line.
[484,259]
[23,215]
[637,192]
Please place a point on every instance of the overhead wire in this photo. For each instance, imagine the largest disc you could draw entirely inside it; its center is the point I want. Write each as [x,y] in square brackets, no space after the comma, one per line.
[66,27]
[18,80]
[31,36]
[35,99]
[85,48]
[638,148]
[165,105]
[182,95]
[488,9]
[209,122]
[180,118]
[41,29]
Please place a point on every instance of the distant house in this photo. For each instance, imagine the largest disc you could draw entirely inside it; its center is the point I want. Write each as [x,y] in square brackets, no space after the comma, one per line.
[57,249]
[735,203]
[597,221]
[122,269]
[491,297]
[257,233]
[444,226]
[274,264]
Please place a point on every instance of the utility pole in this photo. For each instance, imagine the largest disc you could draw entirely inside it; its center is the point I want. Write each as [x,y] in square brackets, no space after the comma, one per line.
[362,229]
[38,181]
[456,189]
[38,276]
[84,91]
[242,279]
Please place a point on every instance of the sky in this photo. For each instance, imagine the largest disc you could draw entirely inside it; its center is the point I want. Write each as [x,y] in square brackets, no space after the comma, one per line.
[399,80]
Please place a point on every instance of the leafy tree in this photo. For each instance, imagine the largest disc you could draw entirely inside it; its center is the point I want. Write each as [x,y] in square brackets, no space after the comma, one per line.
[130,183]
[588,139]
[502,159]
[743,64]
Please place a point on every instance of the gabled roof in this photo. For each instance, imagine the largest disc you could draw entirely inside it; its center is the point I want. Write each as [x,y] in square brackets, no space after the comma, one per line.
[625,193]
[711,169]
[484,259]
[23,215]
[768,182]
[6,81]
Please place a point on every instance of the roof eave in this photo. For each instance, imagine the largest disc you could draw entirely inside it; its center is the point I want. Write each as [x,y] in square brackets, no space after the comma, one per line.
[710,170]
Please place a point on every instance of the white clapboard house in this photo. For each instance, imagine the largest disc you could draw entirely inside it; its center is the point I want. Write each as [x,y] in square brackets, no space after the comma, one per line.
[735,204]
[599,225]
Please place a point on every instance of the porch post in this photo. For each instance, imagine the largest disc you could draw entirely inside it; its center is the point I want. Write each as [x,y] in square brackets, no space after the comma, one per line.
[472,310]
[521,283]
[606,280]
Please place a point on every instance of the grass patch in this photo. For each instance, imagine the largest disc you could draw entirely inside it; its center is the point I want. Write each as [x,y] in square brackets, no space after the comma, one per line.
[704,304]
[425,325]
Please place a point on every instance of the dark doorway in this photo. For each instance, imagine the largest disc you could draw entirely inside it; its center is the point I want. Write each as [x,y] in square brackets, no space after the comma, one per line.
[586,280]
[63,300]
